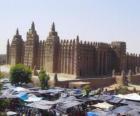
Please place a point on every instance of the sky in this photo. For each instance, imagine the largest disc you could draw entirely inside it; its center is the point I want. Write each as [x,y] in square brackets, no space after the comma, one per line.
[92,20]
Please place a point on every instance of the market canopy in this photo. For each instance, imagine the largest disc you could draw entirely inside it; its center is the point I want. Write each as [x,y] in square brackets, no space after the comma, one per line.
[33,98]
[11,113]
[104,105]
[115,100]
[64,106]
[133,96]
[103,97]
[46,102]
[37,105]
[22,95]
[123,110]
[21,89]
[92,98]
[134,112]
[8,96]
[67,99]
[92,114]
[71,104]
[43,104]
[54,90]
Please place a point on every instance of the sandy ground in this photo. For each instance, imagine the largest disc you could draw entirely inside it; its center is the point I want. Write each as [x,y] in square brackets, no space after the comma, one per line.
[132,86]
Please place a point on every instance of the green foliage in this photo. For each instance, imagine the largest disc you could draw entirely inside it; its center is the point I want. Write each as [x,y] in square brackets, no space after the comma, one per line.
[44,78]
[122,90]
[20,74]
[4,103]
[0,87]
[3,114]
[87,89]
[1,75]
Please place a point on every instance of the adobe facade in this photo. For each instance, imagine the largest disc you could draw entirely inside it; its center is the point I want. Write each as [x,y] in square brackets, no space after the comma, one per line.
[2,59]
[72,57]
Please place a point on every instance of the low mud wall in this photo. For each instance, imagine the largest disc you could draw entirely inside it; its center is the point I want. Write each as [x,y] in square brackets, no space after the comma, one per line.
[135,79]
[94,82]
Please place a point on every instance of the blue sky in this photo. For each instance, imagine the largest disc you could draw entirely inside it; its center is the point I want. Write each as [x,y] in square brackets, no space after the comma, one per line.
[92,20]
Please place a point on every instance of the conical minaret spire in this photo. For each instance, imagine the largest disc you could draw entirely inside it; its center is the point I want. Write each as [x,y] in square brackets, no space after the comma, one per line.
[33,26]
[53,27]
[17,32]
[52,31]
[77,37]
[8,51]
[8,42]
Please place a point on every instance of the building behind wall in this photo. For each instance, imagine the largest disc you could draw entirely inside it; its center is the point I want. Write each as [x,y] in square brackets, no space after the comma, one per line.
[72,57]
[15,51]
[31,55]
[2,59]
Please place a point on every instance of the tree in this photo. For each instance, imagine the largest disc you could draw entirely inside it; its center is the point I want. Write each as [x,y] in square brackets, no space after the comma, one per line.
[20,74]
[4,103]
[87,89]
[122,90]
[44,78]
[1,75]
[1,85]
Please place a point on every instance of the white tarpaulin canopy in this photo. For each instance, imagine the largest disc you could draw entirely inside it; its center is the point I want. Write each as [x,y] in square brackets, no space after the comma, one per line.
[132,96]
[21,89]
[44,105]
[33,98]
[11,113]
[46,102]
[39,106]
[104,105]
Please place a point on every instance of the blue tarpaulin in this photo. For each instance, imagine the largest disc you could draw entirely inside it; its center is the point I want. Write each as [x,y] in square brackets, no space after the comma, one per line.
[22,95]
[77,91]
[92,114]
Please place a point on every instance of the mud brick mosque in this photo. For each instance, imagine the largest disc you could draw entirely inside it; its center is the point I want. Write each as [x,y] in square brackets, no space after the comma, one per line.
[72,57]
